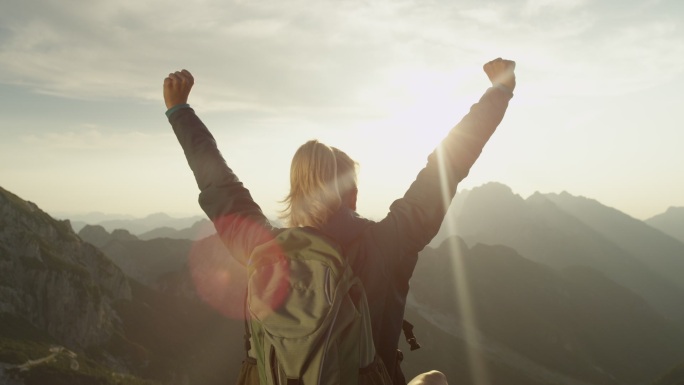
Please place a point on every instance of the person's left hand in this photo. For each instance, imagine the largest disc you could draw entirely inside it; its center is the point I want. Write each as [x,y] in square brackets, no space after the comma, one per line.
[177,88]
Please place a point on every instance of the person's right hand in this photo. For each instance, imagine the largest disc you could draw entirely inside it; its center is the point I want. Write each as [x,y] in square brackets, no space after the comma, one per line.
[432,377]
[501,71]
[177,87]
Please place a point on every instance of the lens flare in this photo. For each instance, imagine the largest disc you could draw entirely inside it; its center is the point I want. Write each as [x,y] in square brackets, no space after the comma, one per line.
[219,278]
[270,284]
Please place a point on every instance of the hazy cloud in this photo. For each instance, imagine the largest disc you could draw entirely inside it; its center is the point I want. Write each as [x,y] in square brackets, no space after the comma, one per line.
[271,56]
[93,138]
[535,7]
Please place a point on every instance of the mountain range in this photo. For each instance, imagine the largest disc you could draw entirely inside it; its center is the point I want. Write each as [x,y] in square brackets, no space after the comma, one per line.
[70,315]
[574,325]
[159,222]
[552,289]
[562,231]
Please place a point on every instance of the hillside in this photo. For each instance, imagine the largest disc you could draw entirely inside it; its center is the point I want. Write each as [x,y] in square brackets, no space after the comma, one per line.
[200,229]
[674,376]
[52,279]
[69,315]
[670,222]
[574,323]
[196,270]
[655,249]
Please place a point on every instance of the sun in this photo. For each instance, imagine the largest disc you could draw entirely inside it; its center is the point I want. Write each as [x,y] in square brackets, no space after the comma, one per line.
[407,113]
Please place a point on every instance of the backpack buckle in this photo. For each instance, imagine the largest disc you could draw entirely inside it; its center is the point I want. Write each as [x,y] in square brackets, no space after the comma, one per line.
[410,337]
[414,344]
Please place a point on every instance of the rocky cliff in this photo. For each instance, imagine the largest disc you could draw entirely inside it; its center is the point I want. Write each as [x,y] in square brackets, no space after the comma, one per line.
[54,280]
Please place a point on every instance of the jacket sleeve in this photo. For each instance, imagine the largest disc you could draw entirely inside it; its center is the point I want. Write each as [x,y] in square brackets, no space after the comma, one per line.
[239,221]
[415,218]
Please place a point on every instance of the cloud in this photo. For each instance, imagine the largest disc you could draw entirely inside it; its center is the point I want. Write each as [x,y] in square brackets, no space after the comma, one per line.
[93,138]
[253,55]
[272,57]
[535,7]
[487,15]
[577,48]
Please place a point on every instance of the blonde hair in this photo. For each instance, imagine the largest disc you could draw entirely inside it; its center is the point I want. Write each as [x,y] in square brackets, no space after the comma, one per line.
[320,175]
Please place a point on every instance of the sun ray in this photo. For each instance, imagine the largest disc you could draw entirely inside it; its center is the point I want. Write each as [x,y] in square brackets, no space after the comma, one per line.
[464,304]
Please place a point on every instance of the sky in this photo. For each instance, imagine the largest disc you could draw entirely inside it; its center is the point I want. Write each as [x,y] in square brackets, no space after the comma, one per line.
[597,110]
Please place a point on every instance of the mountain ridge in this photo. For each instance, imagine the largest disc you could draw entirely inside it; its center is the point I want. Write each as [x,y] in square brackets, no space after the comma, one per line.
[570,324]
[655,249]
[670,222]
[136,225]
[540,230]
[38,253]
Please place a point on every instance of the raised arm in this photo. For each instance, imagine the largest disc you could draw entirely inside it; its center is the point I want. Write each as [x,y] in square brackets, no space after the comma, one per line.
[237,218]
[415,218]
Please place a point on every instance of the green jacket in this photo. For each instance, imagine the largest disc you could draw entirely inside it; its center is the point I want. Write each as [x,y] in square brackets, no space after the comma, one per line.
[384,252]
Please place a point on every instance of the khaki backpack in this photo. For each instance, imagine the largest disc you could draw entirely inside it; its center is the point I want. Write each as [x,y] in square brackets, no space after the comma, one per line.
[308,321]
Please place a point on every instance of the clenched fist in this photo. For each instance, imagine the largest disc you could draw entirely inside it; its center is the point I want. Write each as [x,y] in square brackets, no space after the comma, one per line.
[177,87]
[501,71]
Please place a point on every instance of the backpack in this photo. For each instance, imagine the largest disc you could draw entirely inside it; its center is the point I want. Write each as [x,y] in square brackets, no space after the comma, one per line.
[307,317]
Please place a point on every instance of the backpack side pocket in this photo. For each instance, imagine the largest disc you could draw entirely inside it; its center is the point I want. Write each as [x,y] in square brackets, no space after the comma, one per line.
[249,372]
[374,374]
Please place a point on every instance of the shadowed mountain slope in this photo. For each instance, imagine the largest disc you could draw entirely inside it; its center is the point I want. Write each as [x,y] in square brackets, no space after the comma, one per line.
[541,231]
[573,323]
[655,249]
[69,315]
[670,222]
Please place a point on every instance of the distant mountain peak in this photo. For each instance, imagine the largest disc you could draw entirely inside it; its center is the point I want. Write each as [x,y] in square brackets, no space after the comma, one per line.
[494,187]
[494,195]
[122,234]
[158,216]
[537,196]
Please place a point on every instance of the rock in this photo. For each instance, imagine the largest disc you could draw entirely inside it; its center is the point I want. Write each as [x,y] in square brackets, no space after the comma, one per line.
[53,279]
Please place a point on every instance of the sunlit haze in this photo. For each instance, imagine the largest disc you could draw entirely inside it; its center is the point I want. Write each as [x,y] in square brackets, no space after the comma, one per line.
[597,110]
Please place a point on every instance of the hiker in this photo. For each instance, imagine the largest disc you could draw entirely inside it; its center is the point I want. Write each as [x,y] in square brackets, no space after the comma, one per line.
[323,194]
